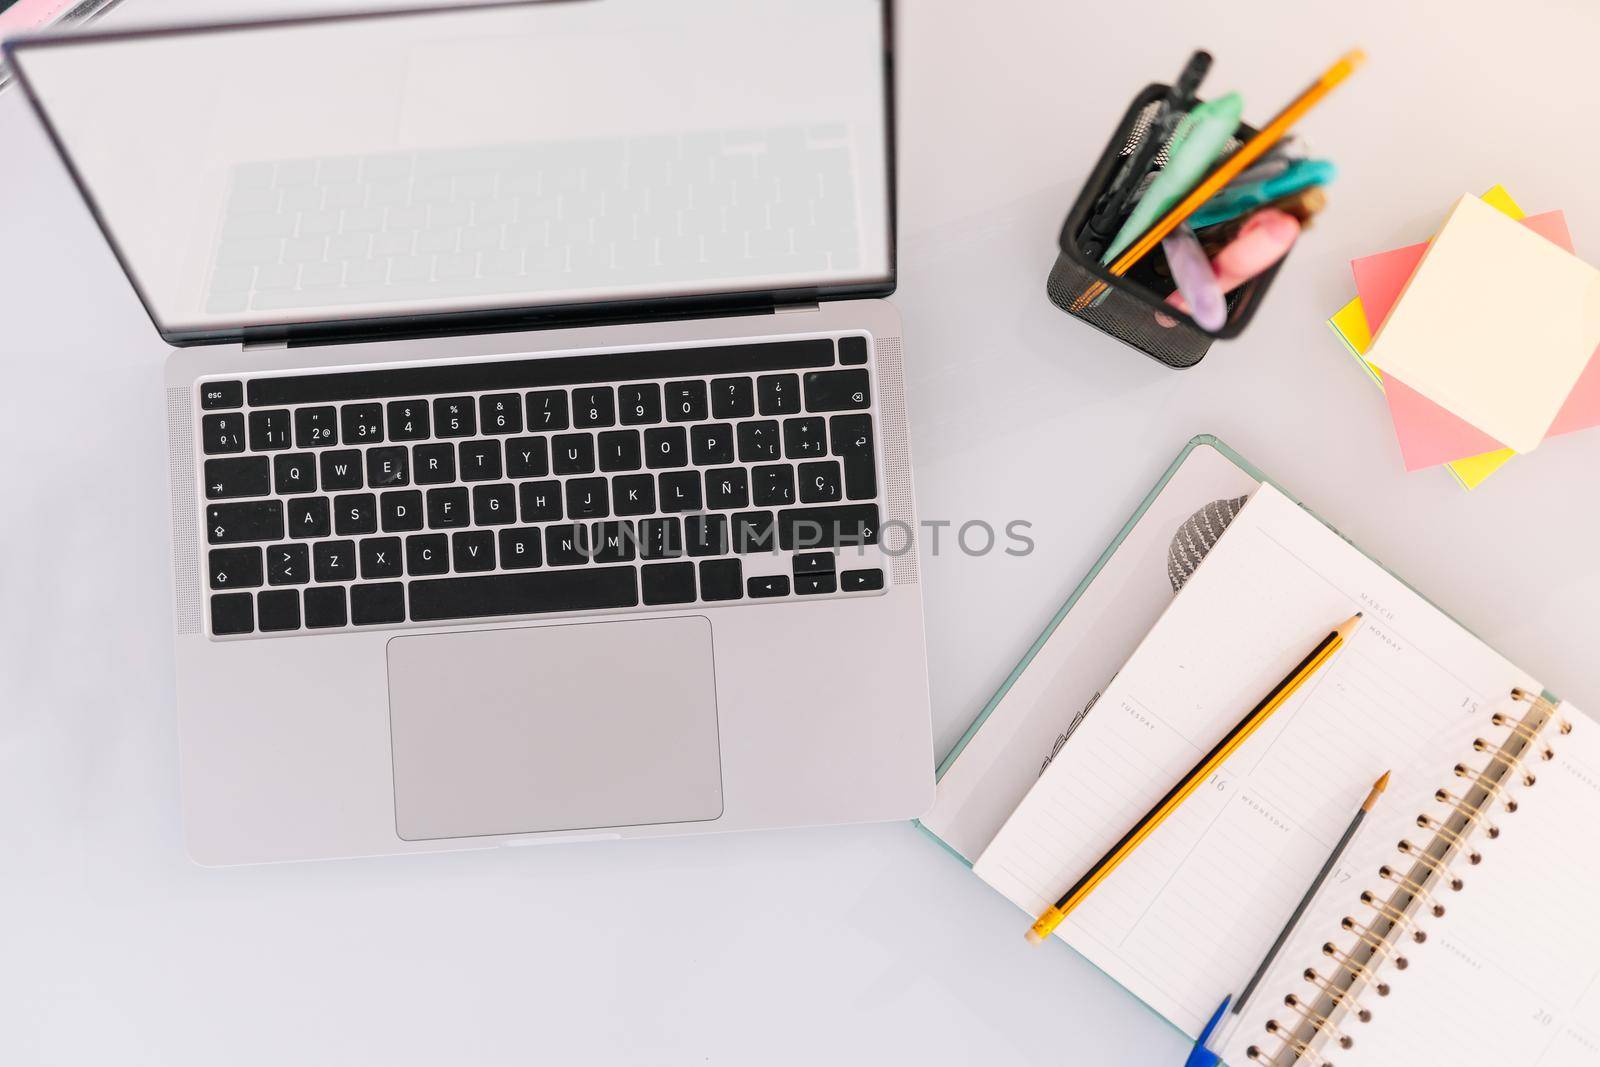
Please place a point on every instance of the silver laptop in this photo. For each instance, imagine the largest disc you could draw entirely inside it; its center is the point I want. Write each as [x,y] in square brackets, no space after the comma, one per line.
[538,430]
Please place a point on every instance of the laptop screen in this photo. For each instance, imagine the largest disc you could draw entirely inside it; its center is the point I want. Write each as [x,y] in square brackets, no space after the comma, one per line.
[555,155]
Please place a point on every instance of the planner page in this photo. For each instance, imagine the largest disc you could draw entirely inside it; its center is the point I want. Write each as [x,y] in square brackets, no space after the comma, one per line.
[1510,974]
[1184,921]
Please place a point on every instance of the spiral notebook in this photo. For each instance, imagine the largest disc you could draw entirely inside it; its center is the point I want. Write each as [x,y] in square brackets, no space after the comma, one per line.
[1185,921]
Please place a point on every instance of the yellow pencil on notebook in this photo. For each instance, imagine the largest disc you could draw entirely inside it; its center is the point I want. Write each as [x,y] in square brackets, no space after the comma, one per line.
[1052,917]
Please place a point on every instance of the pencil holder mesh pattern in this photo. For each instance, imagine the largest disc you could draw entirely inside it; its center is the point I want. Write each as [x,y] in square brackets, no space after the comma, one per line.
[1133,308]
[1324,1015]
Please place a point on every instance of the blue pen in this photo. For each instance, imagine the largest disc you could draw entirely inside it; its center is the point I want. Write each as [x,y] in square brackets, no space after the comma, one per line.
[1202,1056]
[1235,200]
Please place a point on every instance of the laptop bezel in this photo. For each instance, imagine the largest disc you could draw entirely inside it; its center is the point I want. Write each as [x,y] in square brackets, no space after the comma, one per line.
[486,320]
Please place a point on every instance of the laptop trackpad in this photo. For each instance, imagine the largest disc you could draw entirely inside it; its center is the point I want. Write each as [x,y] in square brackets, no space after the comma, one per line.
[554,728]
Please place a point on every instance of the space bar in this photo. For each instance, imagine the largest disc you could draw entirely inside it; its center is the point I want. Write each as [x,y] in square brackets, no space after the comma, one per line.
[526,593]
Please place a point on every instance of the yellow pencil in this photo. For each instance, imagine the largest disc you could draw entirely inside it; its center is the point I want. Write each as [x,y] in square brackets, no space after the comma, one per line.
[1252,149]
[1270,703]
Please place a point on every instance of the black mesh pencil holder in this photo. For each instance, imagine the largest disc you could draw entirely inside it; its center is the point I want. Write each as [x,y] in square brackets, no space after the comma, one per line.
[1129,307]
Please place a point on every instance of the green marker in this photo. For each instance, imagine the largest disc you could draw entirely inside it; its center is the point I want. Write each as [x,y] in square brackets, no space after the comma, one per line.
[1208,128]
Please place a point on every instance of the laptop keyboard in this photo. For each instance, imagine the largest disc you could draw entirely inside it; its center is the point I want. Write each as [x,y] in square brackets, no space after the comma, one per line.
[475,490]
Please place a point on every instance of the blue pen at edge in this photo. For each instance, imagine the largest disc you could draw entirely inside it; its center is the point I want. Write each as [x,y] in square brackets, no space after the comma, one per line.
[1202,1056]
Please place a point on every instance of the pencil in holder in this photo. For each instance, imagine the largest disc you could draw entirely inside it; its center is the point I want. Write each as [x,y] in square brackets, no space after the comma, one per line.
[1133,307]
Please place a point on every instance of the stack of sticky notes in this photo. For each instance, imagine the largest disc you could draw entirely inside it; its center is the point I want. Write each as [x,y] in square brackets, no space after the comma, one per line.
[1483,339]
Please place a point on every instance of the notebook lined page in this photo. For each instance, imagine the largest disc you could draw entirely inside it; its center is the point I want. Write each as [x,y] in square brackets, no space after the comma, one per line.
[1511,973]
[1185,920]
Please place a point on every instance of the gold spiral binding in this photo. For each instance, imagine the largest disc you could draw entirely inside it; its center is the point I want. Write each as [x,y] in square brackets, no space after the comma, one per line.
[1433,863]
[1380,946]
[1343,992]
[1416,889]
[1394,915]
[1470,812]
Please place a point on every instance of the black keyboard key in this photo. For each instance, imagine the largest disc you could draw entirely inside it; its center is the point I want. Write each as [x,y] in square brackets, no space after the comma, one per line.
[852,351]
[779,393]
[500,413]
[540,501]
[356,513]
[453,416]
[816,584]
[234,568]
[472,550]
[447,508]
[427,554]
[754,531]
[325,608]
[828,527]
[711,443]
[593,407]
[758,442]
[667,583]
[633,494]
[288,565]
[805,438]
[686,401]
[666,447]
[257,520]
[519,548]
[619,450]
[215,395]
[400,511]
[341,470]
[772,485]
[680,491]
[706,535]
[381,557]
[859,581]
[540,372]
[245,476]
[310,517]
[408,420]
[278,610]
[660,539]
[721,579]
[232,613]
[316,427]
[769,586]
[361,424]
[837,390]
[295,472]
[374,605]
[813,563]
[269,430]
[733,398]
[639,404]
[220,434]
[566,545]
[494,505]
[479,461]
[819,482]
[333,561]
[433,464]
[852,442]
[524,593]
[727,489]
[613,542]
[587,498]
[573,453]
[527,457]
[547,410]
[388,466]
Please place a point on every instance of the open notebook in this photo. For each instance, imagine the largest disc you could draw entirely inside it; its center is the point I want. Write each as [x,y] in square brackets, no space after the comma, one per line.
[1185,921]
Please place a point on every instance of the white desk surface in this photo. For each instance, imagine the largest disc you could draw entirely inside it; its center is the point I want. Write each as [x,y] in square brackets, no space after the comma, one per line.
[863,945]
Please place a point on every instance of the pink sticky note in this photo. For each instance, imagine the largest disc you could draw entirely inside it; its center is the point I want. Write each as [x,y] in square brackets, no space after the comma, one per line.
[1429,434]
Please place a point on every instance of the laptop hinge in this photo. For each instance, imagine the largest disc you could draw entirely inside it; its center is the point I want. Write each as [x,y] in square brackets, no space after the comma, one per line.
[790,309]
[262,346]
